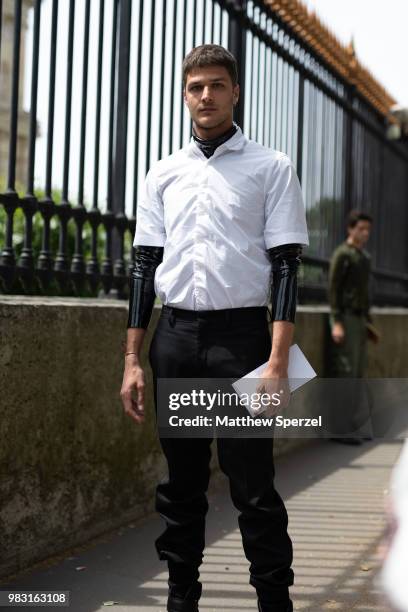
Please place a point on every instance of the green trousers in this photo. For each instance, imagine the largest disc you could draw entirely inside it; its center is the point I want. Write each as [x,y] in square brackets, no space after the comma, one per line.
[348,359]
[350,402]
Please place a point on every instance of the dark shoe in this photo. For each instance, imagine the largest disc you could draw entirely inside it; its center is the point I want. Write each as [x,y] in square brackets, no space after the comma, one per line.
[184,600]
[176,604]
[349,441]
[274,607]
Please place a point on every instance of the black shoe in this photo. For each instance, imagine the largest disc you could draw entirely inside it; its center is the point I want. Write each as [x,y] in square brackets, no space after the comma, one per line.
[176,604]
[184,597]
[349,441]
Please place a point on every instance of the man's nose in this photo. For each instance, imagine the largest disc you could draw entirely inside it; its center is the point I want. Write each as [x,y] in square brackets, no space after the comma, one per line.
[207,93]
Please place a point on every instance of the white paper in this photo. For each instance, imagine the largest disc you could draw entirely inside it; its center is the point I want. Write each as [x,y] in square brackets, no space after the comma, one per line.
[299,372]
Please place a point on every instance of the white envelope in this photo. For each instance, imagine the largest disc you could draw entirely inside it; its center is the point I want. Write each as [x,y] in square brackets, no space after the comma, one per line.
[299,372]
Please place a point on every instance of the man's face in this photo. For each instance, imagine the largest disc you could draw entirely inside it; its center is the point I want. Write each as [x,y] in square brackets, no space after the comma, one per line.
[360,232]
[210,96]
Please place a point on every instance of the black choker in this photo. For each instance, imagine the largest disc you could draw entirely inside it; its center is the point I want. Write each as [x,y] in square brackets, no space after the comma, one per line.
[208,146]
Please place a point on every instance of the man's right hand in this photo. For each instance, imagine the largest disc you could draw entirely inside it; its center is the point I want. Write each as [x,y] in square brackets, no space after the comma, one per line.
[338,333]
[133,388]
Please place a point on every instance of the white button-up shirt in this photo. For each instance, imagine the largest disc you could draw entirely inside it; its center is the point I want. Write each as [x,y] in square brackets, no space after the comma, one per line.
[215,219]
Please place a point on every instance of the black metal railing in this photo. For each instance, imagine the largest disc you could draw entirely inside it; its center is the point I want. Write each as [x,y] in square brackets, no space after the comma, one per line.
[104,102]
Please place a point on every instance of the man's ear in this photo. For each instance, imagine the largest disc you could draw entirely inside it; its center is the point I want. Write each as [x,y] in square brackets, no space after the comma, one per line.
[236,94]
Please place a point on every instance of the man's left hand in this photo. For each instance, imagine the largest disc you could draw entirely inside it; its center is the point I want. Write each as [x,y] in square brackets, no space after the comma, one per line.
[274,382]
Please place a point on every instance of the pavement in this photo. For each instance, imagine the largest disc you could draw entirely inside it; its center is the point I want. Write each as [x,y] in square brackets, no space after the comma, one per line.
[335,500]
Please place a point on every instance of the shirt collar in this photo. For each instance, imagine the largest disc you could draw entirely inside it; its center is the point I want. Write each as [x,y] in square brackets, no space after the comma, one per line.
[234,143]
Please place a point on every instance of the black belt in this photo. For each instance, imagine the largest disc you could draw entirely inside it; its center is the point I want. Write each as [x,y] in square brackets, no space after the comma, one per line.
[249,313]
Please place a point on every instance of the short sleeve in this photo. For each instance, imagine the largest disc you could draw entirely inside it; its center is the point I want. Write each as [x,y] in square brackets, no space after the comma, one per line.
[285,217]
[150,229]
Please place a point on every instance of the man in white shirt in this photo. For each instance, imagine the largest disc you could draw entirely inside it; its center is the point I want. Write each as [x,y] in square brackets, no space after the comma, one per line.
[218,220]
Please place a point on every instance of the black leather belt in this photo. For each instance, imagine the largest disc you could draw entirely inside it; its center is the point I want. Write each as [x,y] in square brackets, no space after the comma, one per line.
[249,313]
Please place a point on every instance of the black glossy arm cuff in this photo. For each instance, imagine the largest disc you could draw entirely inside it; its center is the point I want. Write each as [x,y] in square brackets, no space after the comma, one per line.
[141,285]
[285,262]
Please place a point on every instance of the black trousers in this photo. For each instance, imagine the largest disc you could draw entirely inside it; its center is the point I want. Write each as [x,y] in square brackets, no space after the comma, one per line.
[220,343]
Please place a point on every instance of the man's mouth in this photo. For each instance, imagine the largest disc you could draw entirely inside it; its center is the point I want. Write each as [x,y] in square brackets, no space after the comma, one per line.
[206,110]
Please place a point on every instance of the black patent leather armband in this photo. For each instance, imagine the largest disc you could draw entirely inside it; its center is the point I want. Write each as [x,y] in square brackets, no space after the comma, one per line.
[285,262]
[141,285]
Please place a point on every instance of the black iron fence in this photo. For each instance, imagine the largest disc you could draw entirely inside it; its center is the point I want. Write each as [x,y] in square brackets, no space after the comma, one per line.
[102,101]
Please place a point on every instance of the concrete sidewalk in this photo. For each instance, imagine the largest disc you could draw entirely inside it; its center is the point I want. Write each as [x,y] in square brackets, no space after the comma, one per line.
[334,496]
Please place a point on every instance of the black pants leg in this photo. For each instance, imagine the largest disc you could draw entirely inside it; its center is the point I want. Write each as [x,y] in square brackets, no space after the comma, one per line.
[214,348]
[181,500]
[181,496]
[248,463]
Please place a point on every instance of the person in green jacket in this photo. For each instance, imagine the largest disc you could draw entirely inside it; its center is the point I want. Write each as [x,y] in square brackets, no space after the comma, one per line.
[348,291]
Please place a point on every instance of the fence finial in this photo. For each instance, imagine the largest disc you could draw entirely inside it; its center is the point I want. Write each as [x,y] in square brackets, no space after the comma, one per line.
[305,23]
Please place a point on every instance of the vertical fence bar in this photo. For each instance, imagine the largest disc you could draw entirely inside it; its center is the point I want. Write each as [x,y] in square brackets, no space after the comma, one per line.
[34,96]
[288,108]
[10,198]
[137,126]
[120,150]
[251,87]
[68,95]
[257,86]
[137,105]
[108,217]
[212,20]
[311,143]
[300,126]
[338,165]
[173,56]
[150,90]
[51,100]
[295,117]
[272,93]
[323,149]
[278,113]
[194,23]
[183,51]
[79,212]
[265,89]
[29,202]
[94,215]
[11,178]
[162,65]
[237,46]
[46,205]
[84,97]
[287,116]
[204,21]
[63,210]
[283,107]
[348,161]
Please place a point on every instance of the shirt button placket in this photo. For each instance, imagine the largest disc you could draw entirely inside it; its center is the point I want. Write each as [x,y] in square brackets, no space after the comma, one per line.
[199,258]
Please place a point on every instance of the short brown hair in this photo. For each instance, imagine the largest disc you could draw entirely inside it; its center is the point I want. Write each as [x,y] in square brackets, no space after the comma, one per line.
[357,215]
[210,55]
